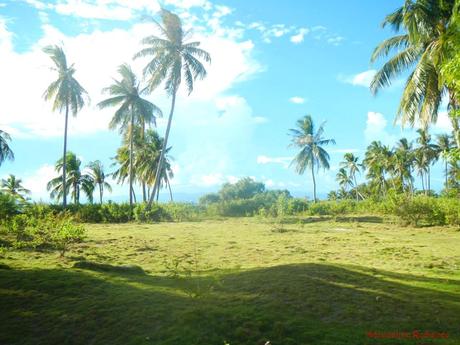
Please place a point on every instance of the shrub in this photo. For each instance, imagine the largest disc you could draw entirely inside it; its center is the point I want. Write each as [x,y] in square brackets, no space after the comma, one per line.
[8,206]
[451,209]
[155,213]
[115,213]
[416,210]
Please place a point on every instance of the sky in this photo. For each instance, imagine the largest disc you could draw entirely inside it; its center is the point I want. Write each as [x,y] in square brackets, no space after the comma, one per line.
[272,63]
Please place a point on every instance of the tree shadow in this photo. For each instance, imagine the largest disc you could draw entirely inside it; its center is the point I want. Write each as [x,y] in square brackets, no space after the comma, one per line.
[289,304]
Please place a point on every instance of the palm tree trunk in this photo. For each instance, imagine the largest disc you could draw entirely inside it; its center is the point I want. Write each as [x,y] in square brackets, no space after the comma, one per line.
[423,183]
[170,191]
[64,157]
[445,171]
[158,193]
[131,135]
[429,179]
[134,195]
[144,194]
[453,118]
[314,181]
[156,185]
[100,193]
[356,187]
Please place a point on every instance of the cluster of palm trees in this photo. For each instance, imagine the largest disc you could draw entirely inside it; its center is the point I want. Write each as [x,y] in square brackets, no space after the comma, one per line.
[142,156]
[394,168]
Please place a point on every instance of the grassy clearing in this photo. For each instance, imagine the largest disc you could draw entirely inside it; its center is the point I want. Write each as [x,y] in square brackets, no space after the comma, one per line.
[242,281]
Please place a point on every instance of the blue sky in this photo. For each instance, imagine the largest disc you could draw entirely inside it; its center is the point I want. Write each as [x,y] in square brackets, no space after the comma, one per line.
[272,62]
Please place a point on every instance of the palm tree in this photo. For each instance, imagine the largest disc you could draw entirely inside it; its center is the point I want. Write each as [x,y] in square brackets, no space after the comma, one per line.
[13,186]
[312,154]
[5,151]
[427,27]
[377,160]
[351,162]
[420,164]
[344,179]
[76,180]
[132,111]
[444,146]
[96,172]
[172,59]
[66,94]
[428,151]
[402,160]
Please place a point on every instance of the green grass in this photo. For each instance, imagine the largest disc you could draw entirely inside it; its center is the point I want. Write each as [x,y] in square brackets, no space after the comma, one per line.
[244,281]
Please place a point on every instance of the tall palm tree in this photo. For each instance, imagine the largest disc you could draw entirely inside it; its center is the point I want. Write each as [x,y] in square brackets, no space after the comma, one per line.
[67,95]
[402,160]
[76,180]
[132,110]
[97,174]
[312,154]
[172,58]
[13,186]
[444,146]
[422,47]
[5,150]
[351,162]
[420,164]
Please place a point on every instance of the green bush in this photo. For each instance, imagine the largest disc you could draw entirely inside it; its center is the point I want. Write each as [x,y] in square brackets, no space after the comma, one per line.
[115,213]
[451,209]
[154,213]
[416,210]
[8,206]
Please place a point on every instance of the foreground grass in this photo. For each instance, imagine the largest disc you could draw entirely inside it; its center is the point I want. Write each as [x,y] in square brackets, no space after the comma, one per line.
[242,281]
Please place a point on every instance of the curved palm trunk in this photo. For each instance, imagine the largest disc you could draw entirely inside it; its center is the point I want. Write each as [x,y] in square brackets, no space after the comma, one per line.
[156,185]
[314,181]
[170,191]
[356,187]
[64,157]
[131,159]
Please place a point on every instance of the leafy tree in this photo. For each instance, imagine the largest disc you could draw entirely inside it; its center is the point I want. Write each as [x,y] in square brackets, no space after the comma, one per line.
[5,150]
[310,142]
[13,186]
[98,176]
[132,111]
[425,42]
[67,95]
[172,58]
[401,161]
[76,180]
[244,188]
[377,161]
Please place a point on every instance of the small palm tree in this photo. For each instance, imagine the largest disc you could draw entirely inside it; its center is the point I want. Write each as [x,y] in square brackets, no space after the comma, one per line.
[310,142]
[344,180]
[428,151]
[377,161]
[96,172]
[5,150]
[76,180]
[67,95]
[13,186]
[444,146]
[402,160]
[172,58]
[352,164]
[133,110]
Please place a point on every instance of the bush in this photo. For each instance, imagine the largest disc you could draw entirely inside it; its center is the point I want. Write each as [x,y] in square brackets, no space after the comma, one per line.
[155,213]
[451,209]
[115,213]
[8,206]
[49,230]
[415,210]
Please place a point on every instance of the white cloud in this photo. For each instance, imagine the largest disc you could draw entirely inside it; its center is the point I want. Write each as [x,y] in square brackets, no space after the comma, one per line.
[360,79]
[335,40]
[299,37]
[443,124]
[297,100]
[376,129]
[284,161]
[36,182]
[344,150]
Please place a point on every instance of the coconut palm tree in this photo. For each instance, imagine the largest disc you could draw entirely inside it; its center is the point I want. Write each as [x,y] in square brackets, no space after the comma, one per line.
[421,165]
[97,174]
[5,150]
[421,48]
[126,94]
[76,180]
[344,179]
[444,146]
[377,161]
[401,162]
[351,163]
[13,186]
[310,142]
[172,59]
[67,95]
[429,152]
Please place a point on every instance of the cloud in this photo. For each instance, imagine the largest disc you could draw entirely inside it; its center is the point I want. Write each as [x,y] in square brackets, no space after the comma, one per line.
[360,79]
[270,31]
[335,40]
[284,161]
[299,37]
[297,100]
[344,151]
[36,181]
[443,123]
[376,129]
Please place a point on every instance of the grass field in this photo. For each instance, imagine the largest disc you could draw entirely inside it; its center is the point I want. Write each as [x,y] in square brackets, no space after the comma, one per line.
[238,281]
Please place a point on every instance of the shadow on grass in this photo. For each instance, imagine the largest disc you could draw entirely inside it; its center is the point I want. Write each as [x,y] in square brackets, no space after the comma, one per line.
[290,304]
[359,219]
